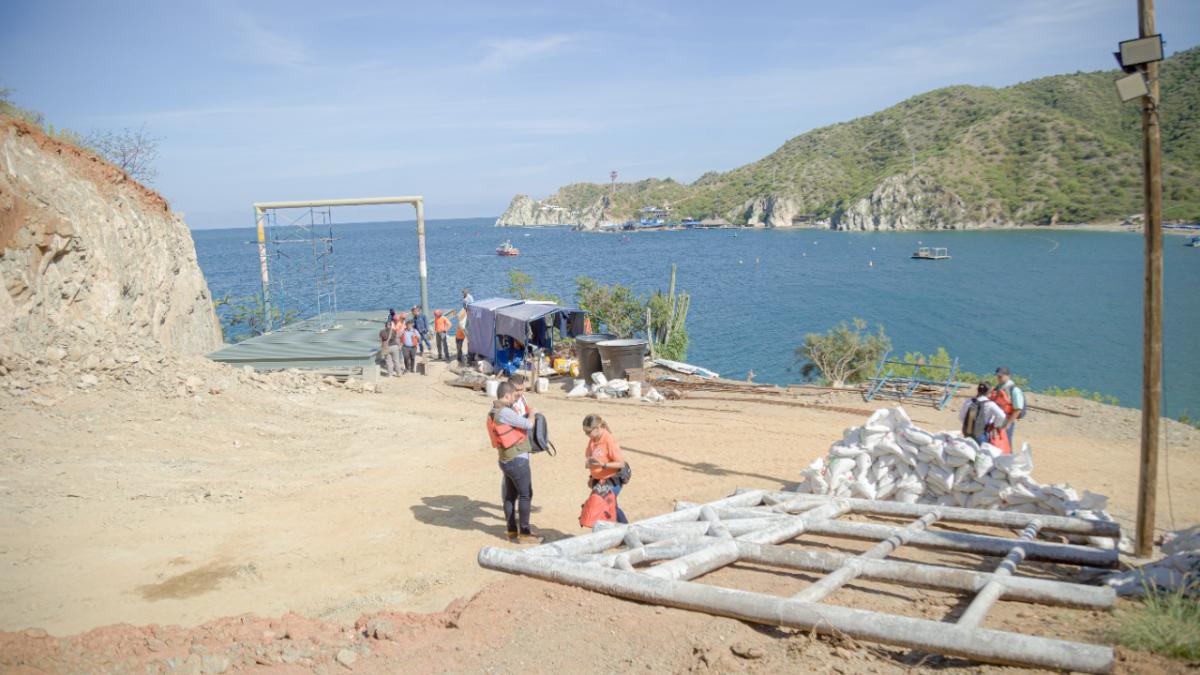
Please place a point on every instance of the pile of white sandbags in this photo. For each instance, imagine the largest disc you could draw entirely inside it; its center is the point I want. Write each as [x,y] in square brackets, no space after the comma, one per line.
[889,458]
[604,388]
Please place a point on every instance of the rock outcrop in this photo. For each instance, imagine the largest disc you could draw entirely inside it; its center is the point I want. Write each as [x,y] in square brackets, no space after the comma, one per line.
[774,211]
[92,264]
[525,211]
[906,202]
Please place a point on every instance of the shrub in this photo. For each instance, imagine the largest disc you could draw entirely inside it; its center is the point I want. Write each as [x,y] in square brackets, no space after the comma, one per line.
[1164,622]
[1076,392]
[844,354]
[615,308]
[520,285]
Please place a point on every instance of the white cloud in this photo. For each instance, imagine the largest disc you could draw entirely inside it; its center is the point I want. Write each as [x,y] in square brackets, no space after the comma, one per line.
[263,45]
[504,54]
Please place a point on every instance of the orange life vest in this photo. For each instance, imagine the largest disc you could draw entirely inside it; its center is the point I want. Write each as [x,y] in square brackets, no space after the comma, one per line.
[1001,398]
[441,324]
[504,436]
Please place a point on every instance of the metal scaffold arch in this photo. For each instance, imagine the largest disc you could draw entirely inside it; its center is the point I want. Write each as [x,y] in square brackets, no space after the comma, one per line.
[296,261]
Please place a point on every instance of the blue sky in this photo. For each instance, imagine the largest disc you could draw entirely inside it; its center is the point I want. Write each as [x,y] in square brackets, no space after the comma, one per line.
[470,103]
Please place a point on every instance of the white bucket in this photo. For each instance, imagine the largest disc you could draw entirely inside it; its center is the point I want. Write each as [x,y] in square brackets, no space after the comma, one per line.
[490,386]
[542,386]
[635,389]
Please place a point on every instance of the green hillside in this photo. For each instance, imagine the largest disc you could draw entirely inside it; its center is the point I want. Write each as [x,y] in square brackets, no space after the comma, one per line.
[1058,148]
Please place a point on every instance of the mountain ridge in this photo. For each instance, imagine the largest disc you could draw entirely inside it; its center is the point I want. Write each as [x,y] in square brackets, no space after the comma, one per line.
[1060,148]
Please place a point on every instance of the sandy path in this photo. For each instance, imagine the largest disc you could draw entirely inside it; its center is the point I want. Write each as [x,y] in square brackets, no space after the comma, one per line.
[115,507]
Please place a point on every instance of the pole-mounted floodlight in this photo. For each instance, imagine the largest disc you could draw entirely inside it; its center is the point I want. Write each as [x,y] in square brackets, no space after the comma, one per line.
[1141,51]
[1133,56]
[1132,86]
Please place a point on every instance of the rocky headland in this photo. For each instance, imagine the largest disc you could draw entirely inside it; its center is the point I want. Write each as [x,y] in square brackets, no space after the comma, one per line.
[1057,150]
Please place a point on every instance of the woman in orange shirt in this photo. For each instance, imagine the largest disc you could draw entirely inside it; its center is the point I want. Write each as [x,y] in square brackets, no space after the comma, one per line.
[604,460]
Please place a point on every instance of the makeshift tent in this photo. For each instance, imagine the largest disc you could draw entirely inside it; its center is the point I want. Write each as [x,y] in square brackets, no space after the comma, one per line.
[481,325]
[501,330]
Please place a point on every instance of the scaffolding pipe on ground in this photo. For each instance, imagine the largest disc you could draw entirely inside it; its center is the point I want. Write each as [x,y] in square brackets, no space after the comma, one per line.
[749,527]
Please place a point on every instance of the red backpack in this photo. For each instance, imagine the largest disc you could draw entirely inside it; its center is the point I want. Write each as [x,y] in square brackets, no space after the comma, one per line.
[598,507]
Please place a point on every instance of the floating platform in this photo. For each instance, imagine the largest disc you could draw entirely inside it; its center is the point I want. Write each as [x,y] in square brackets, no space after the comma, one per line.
[352,343]
[929,253]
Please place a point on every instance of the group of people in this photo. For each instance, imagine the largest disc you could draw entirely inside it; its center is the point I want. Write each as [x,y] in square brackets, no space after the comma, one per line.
[991,416]
[510,423]
[404,337]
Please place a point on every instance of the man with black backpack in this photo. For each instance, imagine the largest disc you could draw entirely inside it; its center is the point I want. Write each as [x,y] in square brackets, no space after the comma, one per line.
[980,415]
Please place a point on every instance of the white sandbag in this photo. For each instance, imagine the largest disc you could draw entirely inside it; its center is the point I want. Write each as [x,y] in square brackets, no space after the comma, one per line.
[983,464]
[599,379]
[844,450]
[653,396]
[880,420]
[600,395]
[906,497]
[862,463]
[940,479]
[616,386]
[959,449]
[839,466]
[1179,541]
[934,453]
[863,489]
[916,436]
[578,391]
[963,473]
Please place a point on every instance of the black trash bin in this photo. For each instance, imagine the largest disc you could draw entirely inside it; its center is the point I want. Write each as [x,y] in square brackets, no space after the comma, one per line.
[617,356]
[589,356]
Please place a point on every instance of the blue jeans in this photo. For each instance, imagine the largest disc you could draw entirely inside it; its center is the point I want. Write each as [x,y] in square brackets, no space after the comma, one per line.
[1011,428]
[517,493]
[616,489]
[423,343]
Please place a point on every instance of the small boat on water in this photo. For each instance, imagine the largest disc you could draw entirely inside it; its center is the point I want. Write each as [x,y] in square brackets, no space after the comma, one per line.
[931,253]
[507,249]
[1194,242]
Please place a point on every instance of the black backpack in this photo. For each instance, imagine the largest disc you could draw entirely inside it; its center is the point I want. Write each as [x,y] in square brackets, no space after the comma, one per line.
[539,436]
[974,423]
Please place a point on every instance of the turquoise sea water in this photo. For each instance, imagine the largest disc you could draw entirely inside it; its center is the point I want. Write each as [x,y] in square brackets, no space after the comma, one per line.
[1063,308]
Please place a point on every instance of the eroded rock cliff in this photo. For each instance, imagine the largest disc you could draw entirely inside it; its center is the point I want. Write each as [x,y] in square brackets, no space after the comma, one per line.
[904,202]
[525,211]
[92,264]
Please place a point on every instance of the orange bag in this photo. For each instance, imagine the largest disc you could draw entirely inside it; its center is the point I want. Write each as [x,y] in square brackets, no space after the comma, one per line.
[598,507]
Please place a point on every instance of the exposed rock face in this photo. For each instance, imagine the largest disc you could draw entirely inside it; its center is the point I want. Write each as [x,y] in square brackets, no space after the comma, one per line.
[772,211]
[906,202]
[525,211]
[90,261]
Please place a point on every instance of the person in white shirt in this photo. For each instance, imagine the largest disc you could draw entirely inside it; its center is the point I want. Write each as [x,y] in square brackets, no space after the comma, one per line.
[980,415]
[520,404]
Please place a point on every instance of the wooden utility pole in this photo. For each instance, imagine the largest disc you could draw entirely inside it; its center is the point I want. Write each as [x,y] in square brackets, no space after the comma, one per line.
[1152,344]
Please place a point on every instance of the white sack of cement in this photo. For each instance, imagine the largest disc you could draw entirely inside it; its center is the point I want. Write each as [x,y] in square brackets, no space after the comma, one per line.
[890,458]
[579,390]
[653,396]
[599,379]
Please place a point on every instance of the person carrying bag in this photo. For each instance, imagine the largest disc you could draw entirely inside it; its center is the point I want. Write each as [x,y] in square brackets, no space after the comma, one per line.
[605,466]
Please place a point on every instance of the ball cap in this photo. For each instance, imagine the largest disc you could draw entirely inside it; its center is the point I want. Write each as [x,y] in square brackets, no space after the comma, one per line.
[1002,370]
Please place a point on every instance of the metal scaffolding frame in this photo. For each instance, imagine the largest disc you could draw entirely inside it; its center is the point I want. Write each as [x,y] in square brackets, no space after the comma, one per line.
[655,560]
[284,273]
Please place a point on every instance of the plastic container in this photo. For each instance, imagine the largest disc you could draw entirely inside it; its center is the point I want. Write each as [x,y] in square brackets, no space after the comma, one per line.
[490,386]
[618,355]
[589,356]
[635,389]
[542,386]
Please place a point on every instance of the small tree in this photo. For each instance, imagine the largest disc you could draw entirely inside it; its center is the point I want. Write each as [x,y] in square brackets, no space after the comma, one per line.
[844,354]
[134,151]
[242,317]
[520,284]
[615,307]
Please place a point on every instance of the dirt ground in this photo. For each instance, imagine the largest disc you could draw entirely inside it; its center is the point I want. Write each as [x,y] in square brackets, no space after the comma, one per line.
[181,516]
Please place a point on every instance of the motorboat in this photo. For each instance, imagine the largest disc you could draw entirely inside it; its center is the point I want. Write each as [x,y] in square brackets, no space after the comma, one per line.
[931,254]
[507,249]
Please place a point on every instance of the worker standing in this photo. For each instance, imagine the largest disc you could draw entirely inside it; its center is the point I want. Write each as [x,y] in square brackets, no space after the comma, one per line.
[441,334]
[460,335]
[409,339]
[509,433]
[422,325]
[1011,400]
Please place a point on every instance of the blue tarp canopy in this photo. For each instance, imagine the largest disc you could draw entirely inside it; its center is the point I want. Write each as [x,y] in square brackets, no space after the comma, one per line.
[514,320]
[502,320]
[481,325]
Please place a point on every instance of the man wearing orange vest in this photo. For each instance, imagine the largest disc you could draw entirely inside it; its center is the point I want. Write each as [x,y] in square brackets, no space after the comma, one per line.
[1010,398]
[509,433]
[441,333]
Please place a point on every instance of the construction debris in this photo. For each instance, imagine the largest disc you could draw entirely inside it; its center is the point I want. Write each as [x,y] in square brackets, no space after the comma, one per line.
[1178,571]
